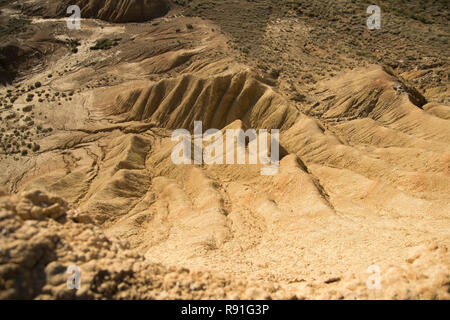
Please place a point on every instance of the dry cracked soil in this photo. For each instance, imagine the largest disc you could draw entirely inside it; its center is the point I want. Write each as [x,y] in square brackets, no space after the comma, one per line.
[359,208]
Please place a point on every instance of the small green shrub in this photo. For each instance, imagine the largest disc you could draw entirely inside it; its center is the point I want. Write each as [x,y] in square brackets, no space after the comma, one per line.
[73,44]
[106,44]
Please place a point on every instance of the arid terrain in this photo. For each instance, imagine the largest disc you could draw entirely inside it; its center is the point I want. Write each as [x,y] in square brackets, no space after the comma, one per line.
[87,179]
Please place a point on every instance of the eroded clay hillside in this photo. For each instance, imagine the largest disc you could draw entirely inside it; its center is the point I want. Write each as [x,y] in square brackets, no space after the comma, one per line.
[85,150]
